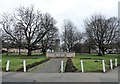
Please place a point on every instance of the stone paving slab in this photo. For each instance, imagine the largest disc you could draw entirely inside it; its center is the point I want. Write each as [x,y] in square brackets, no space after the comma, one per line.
[52,66]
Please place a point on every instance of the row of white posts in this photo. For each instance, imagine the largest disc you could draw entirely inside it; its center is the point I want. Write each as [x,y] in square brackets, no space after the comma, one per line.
[82,68]
[111,64]
[8,65]
[62,65]
[103,64]
[24,66]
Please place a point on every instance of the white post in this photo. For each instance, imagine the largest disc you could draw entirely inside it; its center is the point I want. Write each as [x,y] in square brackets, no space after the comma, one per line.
[82,66]
[7,65]
[111,65]
[103,63]
[115,62]
[24,65]
[0,64]
[62,66]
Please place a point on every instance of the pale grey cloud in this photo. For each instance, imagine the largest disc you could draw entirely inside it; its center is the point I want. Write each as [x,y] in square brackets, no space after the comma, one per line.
[76,10]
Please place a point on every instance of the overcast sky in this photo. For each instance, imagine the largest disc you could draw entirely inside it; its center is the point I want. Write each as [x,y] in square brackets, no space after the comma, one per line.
[75,10]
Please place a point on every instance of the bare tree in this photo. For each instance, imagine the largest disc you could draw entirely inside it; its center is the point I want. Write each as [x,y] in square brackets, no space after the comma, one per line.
[78,43]
[101,31]
[117,41]
[69,36]
[8,25]
[6,43]
[0,40]
[34,26]
[48,41]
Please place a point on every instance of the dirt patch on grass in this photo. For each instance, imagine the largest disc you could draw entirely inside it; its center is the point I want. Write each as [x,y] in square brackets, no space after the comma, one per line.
[29,58]
[91,58]
[69,66]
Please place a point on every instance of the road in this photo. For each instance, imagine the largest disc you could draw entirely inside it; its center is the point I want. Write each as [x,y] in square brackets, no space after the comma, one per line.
[111,76]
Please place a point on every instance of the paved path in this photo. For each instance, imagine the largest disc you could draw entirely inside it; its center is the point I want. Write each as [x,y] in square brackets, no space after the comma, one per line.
[111,76]
[52,66]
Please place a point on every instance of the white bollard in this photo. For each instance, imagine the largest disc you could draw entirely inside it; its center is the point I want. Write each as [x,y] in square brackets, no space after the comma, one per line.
[62,65]
[111,65]
[0,64]
[24,65]
[103,63]
[7,65]
[82,68]
[115,62]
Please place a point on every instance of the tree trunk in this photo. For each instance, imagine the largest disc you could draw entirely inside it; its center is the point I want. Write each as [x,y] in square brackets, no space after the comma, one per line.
[69,50]
[29,52]
[7,51]
[99,52]
[19,51]
[103,51]
[80,50]
[89,50]
[44,52]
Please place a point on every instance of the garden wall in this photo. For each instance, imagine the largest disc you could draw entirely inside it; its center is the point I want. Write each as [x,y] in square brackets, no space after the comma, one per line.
[60,54]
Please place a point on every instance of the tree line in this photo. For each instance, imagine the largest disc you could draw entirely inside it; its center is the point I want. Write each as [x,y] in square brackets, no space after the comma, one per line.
[33,30]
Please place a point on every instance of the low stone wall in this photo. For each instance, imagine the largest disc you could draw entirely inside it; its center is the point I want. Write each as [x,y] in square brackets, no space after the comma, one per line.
[60,54]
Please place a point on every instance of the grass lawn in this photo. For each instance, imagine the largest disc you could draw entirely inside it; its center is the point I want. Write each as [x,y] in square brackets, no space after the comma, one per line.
[93,63]
[16,61]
